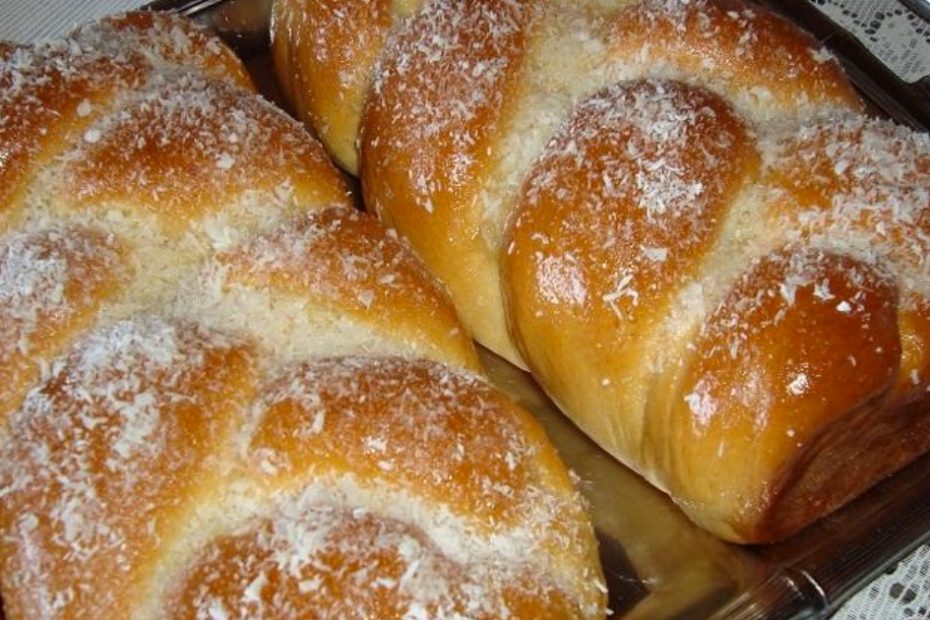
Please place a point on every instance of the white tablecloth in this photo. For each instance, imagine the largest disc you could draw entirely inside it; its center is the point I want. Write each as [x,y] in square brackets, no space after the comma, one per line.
[30,20]
[903,593]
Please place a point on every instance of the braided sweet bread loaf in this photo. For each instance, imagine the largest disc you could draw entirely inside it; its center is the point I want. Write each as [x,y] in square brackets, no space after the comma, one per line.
[675,213]
[226,392]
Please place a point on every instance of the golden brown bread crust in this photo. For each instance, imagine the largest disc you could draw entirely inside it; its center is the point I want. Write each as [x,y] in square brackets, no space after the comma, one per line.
[343,260]
[164,40]
[430,154]
[51,284]
[131,156]
[754,57]
[329,47]
[450,440]
[50,94]
[585,259]
[380,551]
[80,188]
[859,187]
[40,94]
[227,389]
[433,138]
[677,215]
[767,381]
[154,447]
[107,459]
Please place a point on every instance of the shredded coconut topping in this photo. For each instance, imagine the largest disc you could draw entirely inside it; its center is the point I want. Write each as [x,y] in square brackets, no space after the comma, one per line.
[435,538]
[438,108]
[860,187]
[131,451]
[99,450]
[633,181]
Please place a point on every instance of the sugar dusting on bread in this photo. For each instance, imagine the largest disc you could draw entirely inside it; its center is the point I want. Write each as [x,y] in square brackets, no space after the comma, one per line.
[49,275]
[763,64]
[51,283]
[52,90]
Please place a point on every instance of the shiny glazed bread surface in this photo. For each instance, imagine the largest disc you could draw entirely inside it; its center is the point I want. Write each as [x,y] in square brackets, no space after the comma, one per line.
[675,213]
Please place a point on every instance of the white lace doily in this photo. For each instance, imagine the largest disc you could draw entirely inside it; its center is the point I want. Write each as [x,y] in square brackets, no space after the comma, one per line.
[897,36]
[25,21]
[901,593]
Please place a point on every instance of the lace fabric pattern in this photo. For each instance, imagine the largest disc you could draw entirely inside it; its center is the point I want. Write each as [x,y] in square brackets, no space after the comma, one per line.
[903,592]
[893,33]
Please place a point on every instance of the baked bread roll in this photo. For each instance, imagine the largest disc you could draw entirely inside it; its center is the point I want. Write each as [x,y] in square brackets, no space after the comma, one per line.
[227,392]
[674,213]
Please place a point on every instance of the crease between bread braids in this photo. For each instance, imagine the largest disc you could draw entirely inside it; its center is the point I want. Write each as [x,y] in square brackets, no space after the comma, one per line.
[227,392]
[677,214]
